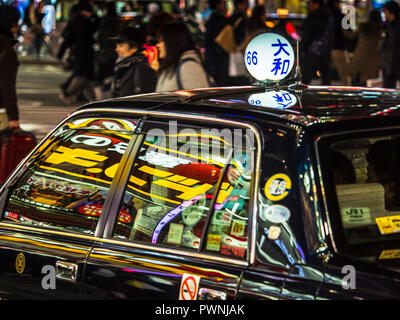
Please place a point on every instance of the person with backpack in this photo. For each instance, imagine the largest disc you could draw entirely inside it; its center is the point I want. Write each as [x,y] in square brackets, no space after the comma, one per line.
[132,73]
[9,114]
[181,64]
[316,43]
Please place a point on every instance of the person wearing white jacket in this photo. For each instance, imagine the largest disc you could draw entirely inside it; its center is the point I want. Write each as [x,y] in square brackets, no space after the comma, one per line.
[181,64]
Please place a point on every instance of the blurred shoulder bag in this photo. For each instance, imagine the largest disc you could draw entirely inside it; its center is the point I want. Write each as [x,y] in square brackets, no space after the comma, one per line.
[210,80]
[236,64]
[3,119]
[226,38]
[3,112]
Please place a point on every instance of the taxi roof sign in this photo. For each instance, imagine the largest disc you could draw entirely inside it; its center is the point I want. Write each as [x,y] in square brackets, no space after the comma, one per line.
[269,56]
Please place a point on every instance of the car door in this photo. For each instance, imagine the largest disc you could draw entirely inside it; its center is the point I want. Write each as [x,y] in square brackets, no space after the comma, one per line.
[188,191]
[51,206]
[281,267]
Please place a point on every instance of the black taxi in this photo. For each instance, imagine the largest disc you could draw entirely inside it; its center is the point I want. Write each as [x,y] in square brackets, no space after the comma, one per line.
[283,191]
[210,194]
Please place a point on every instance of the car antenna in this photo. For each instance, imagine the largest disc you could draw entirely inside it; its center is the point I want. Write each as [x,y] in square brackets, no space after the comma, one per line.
[298,86]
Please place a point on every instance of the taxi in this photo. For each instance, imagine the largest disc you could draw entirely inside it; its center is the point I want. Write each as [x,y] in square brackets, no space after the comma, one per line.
[282,191]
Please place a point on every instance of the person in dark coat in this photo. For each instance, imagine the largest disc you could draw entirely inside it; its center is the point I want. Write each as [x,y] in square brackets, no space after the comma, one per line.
[9,17]
[340,57]
[216,59]
[240,33]
[132,73]
[82,39]
[104,60]
[390,55]
[316,43]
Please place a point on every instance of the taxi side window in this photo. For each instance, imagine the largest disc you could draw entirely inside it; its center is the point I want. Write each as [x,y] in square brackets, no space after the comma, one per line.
[171,189]
[66,184]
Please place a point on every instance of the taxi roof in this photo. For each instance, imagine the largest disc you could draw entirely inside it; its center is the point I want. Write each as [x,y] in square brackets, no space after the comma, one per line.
[315,104]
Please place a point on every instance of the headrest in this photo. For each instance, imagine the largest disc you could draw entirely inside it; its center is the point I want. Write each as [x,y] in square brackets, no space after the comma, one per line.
[360,203]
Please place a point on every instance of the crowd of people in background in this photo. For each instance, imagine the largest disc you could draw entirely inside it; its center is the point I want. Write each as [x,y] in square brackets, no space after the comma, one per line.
[162,55]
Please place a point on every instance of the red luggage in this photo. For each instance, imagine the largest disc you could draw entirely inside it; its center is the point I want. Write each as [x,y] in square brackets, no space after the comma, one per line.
[15,145]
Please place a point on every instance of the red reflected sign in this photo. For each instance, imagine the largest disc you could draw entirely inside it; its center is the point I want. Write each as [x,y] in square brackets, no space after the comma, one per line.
[94,210]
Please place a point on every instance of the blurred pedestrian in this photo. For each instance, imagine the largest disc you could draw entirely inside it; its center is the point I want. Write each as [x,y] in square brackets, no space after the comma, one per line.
[237,69]
[68,38]
[106,56]
[132,73]
[181,66]
[9,113]
[216,59]
[240,12]
[29,14]
[365,63]
[33,20]
[340,58]
[255,25]
[38,31]
[157,20]
[316,43]
[82,36]
[390,55]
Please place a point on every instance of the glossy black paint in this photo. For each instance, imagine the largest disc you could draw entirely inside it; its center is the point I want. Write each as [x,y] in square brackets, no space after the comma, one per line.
[304,263]
[40,249]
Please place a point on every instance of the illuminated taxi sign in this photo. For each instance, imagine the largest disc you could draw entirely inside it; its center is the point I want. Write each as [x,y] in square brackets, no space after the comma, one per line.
[273,99]
[282,12]
[269,56]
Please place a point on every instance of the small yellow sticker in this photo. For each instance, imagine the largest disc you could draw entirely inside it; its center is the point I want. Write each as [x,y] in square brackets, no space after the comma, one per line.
[20,263]
[277,187]
[390,254]
[388,225]
[214,242]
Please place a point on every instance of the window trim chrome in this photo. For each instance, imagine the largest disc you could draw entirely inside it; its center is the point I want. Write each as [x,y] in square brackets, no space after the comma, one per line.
[22,227]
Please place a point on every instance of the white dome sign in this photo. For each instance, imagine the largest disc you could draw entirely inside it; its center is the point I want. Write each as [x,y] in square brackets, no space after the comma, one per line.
[269,56]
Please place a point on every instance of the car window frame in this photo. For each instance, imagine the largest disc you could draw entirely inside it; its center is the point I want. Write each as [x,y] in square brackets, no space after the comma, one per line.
[106,235]
[333,227]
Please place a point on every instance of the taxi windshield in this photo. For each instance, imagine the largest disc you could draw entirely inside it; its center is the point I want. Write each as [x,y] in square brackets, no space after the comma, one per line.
[365,174]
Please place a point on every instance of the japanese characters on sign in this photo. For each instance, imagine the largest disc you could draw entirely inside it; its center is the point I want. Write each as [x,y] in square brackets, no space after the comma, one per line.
[273,99]
[269,56]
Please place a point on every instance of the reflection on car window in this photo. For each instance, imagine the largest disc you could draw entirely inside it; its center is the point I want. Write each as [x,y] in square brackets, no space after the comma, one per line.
[227,232]
[171,189]
[66,185]
[366,174]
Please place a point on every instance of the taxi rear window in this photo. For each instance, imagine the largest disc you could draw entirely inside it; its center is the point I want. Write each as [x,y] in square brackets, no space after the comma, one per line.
[365,175]
[66,184]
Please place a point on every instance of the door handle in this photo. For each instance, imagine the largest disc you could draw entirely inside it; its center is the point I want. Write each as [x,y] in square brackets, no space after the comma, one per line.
[66,271]
[210,294]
